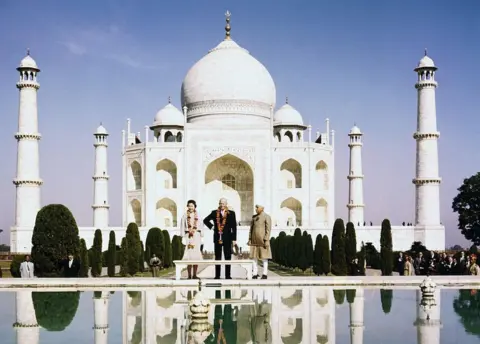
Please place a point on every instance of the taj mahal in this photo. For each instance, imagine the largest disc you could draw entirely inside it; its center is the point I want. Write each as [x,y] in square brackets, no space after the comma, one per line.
[231,138]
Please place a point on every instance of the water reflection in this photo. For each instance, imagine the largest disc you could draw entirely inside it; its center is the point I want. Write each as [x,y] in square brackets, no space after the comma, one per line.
[255,315]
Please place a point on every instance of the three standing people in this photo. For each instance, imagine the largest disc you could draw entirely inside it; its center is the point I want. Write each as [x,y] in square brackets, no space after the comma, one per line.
[191,230]
[259,240]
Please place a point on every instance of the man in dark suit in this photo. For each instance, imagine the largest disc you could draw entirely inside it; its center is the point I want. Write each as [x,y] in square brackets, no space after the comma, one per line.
[71,267]
[224,225]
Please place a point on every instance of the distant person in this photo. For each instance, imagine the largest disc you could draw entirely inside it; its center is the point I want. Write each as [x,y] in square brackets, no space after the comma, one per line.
[191,231]
[408,268]
[71,267]
[27,268]
[259,240]
[400,264]
[155,265]
[355,268]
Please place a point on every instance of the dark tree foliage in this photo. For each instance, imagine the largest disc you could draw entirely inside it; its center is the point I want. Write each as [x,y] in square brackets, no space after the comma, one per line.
[134,248]
[167,259]
[111,255]
[84,260]
[372,256]
[339,262]
[386,246]
[156,242]
[386,297]
[281,248]
[124,264]
[298,249]
[273,248]
[467,306]
[55,235]
[301,245]
[362,259]
[326,255]
[351,293]
[15,265]
[55,310]
[175,248]
[473,249]
[317,256]
[141,261]
[467,205]
[96,262]
[309,250]
[350,244]
[339,296]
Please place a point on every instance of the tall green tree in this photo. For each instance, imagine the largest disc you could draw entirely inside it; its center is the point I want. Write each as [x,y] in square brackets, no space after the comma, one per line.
[386,248]
[141,259]
[317,256]
[134,248]
[297,248]
[350,244]
[125,257]
[339,265]
[351,293]
[111,255]
[339,296]
[175,248]
[55,311]
[386,297]
[467,205]
[55,235]
[156,242]
[84,261]
[97,254]
[310,250]
[362,256]
[326,256]
[167,259]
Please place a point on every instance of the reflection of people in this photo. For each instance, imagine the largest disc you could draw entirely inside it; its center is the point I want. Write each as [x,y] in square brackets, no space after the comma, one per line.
[191,230]
[260,323]
[27,268]
[225,323]
[224,234]
[71,267]
[259,240]
[155,265]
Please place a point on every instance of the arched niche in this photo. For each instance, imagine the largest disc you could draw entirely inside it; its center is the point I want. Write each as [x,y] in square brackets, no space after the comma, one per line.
[166,213]
[166,175]
[321,212]
[291,174]
[291,212]
[134,180]
[321,170]
[135,213]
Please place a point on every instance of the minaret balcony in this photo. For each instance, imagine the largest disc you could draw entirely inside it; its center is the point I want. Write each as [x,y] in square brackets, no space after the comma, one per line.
[425,84]
[99,206]
[28,83]
[353,205]
[18,182]
[426,136]
[28,136]
[102,176]
[355,176]
[426,181]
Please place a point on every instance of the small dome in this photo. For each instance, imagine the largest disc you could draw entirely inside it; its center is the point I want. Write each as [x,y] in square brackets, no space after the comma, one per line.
[287,115]
[28,62]
[355,131]
[170,116]
[101,130]
[426,62]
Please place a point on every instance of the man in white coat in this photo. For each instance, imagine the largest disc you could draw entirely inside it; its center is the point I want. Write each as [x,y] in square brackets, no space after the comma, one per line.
[26,268]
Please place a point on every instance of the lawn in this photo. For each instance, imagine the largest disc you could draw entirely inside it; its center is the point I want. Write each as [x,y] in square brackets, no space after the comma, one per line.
[5,266]
[162,273]
[283,271]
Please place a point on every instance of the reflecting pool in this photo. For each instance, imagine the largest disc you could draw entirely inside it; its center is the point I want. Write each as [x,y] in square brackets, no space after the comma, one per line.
[274,315]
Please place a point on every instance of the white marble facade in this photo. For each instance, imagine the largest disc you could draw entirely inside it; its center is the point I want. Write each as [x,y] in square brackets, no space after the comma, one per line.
[229,139]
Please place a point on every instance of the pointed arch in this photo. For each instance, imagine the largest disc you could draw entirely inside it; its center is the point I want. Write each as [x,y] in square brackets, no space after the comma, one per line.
[134,181]
[321,212]
[166,175]
[278,137]
[136,212]
[288,136]
[321,170]
[230,177]
[169,137]
[291,212]
[166,213]
[291,174]
[179,137]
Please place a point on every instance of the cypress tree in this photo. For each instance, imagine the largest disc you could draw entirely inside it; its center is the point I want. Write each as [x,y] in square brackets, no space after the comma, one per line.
[273,247]
[326,255]
[339,296]
[125,255]
[134,248]
[297,249]
[55,235]
[350,245]
[84,263]
[362,256]
[351,293]
[386,247]
[309,250]
[174,248]
[339,266]
[111,255]
[141,259]
[317,256]
[386,297]
[96,262]
[156,242]
[167,259]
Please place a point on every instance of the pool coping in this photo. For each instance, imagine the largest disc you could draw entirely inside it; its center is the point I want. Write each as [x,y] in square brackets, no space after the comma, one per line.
[337,282]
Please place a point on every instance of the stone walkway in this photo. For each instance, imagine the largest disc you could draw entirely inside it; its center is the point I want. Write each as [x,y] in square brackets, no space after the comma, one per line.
[208,272]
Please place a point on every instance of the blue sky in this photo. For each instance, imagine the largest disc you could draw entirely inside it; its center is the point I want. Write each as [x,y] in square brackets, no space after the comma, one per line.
[351,61]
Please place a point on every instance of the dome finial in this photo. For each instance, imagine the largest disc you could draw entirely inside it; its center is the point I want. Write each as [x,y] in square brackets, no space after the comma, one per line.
[286,100]
[28,51]
[227,27]
[169,100]
[425,51]
[101,123]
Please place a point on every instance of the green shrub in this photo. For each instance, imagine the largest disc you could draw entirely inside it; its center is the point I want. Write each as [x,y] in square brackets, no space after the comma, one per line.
[350,245]
[167,259]
[84,260]
[111,255]
[326,254]
[156,242]
[134,248]
[339,266]
[55,235]
[96,262]
[55,310]
[15,265]
[351,293]
[339,296]
[317,256]
[124,265]
[386,297]
[386,246]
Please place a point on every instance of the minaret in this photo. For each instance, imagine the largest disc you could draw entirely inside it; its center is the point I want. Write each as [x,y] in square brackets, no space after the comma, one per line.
[100,308]
[427,180]
[27,181]
[428,321]
[100,180]
[356,317]
[26,325]
[355,176]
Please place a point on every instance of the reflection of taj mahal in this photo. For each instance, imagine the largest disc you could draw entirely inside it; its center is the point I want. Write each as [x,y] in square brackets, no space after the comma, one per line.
[270,315]
[229,140]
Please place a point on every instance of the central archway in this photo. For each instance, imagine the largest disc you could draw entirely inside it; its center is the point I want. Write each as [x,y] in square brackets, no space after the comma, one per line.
[232,178]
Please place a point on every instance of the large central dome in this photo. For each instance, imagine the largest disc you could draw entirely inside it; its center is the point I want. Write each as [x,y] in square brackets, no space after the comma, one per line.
[228,82]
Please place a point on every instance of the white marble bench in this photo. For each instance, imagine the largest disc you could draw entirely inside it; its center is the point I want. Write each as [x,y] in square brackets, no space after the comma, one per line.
[247,264]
